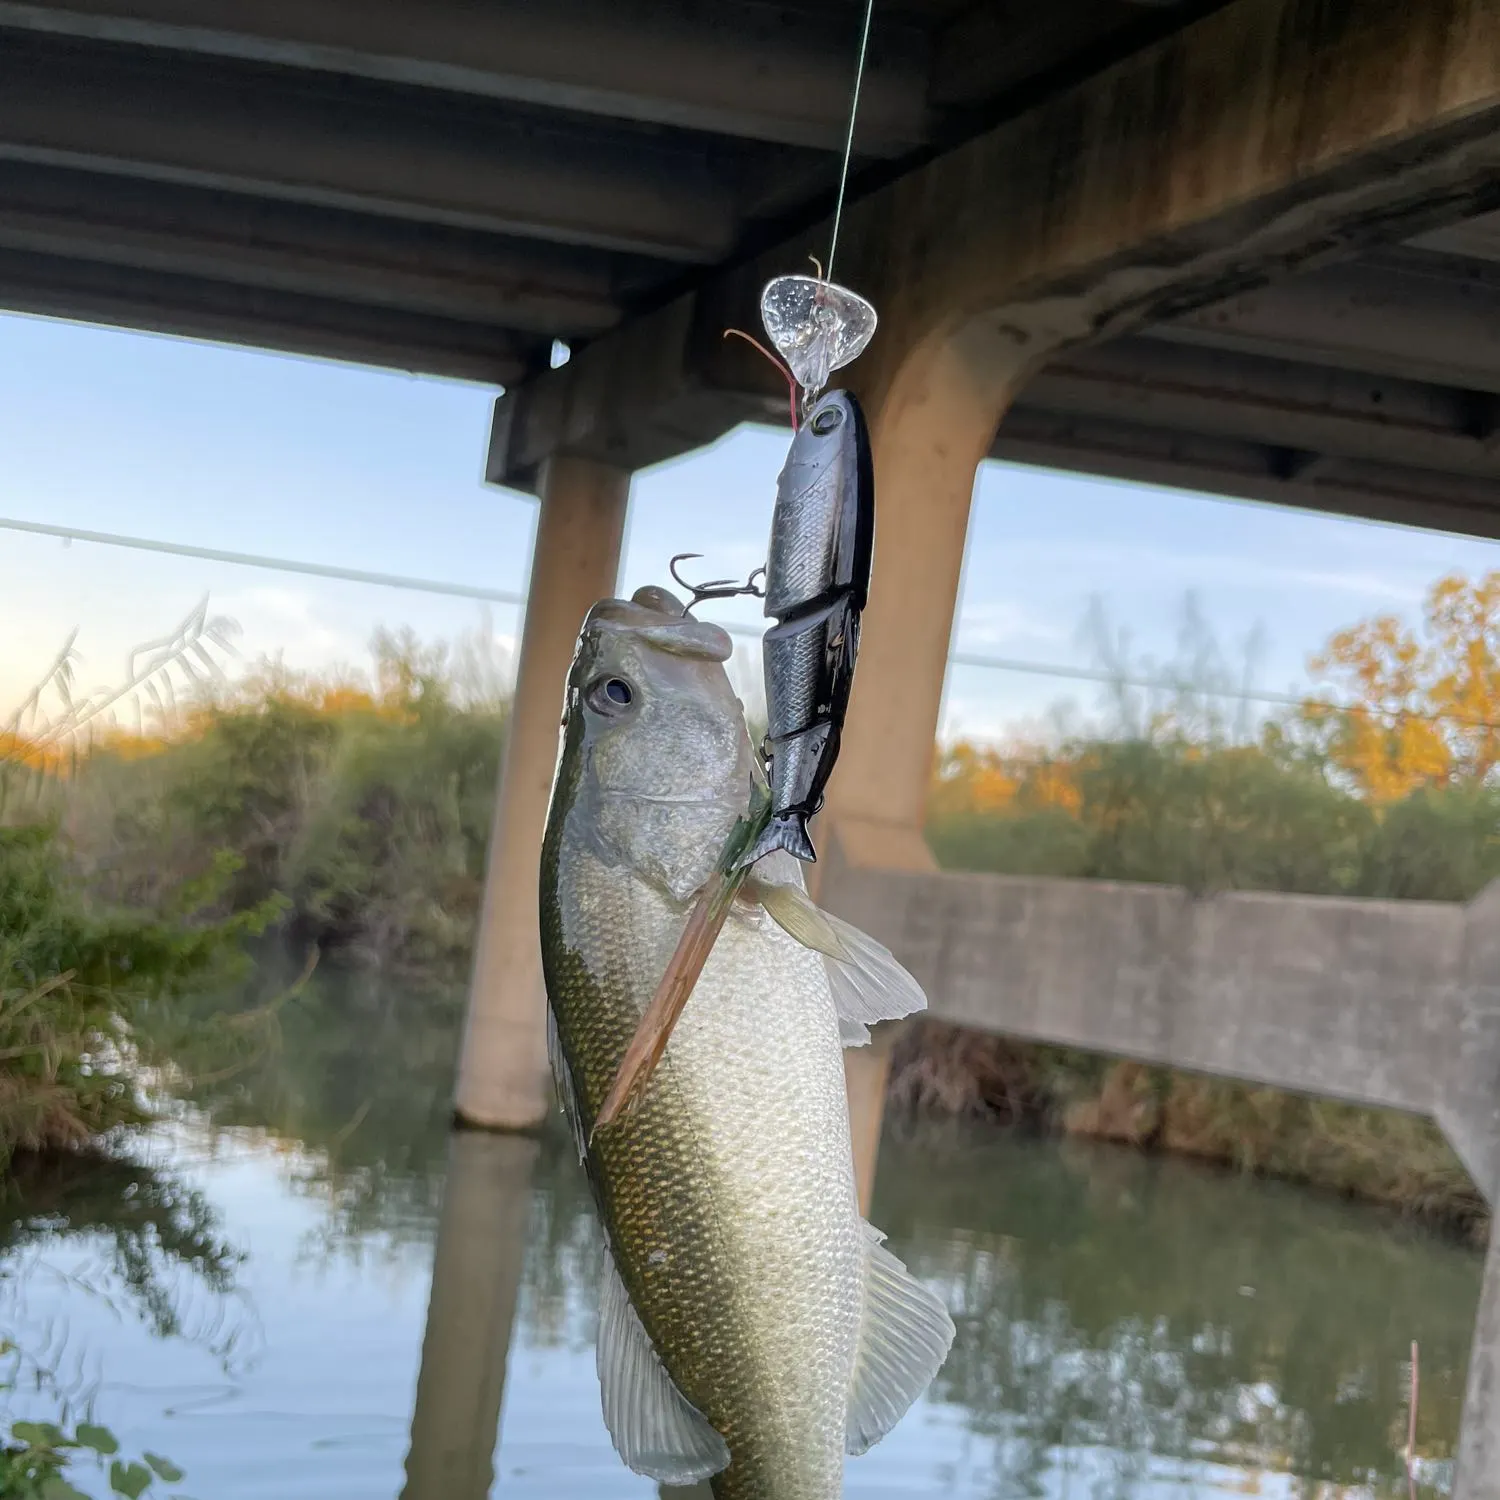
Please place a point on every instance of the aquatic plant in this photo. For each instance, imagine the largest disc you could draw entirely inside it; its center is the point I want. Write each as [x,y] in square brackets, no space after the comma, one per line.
[37,1458]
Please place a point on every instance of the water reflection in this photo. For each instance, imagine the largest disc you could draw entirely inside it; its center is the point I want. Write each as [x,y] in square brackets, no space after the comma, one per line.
[356,1071]
[1153,1310]
[476,1278]
[119,1237]
[1124,1325]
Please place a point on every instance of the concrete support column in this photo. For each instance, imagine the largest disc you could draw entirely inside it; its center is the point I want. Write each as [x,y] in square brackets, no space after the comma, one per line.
[1470,1114]
[476,1276]
[933,409]
[866,1073]
[575,562]
[1479,1443]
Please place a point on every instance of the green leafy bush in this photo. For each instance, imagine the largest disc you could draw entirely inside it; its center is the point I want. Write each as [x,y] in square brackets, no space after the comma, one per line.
[74,980]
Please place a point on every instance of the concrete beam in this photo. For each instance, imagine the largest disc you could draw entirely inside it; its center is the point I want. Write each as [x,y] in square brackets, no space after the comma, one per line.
[366,147]
[1265,138]
[768,72]
[295,324]
[1470,1109]
[1279,403]
[1393,1004]
[1465,504]
[557,290]
[1416,316]
[989,51]
[1474,239]
[1479,1438]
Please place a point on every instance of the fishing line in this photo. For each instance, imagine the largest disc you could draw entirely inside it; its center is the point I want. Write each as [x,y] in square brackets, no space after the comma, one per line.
[859,78]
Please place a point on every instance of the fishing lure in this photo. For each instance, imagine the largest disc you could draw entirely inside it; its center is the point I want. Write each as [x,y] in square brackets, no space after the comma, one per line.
[817,580]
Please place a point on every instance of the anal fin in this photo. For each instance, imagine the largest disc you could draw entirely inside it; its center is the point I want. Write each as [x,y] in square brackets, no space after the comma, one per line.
[655,1429]
[904,1337]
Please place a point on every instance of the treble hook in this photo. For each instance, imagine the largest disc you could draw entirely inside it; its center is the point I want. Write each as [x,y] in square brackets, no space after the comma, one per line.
[718,588]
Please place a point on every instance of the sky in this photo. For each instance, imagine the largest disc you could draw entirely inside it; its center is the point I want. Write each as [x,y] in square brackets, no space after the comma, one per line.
[325,463]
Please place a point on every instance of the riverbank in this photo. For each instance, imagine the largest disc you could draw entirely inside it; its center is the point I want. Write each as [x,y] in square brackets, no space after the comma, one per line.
[77,979]
[353,817]
[1374,1156]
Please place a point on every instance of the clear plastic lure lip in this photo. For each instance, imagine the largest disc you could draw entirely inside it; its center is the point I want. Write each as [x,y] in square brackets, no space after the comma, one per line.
[816,326]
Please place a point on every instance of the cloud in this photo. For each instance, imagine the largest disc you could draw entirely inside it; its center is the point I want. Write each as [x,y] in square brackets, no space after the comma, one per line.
[1191,569]
[1003,622]
[1370,585]
[290,617]
[288,604]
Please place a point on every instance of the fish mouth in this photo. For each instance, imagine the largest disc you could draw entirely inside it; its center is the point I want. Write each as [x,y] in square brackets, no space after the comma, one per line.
[678,634]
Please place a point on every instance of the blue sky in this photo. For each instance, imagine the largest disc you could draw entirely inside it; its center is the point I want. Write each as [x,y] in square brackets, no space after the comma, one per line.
[328,463]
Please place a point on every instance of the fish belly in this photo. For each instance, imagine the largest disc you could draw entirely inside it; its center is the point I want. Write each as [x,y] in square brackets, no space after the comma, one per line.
[730,1203]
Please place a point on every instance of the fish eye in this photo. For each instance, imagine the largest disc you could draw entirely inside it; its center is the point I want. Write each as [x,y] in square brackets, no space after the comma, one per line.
[827,420]
[610,695]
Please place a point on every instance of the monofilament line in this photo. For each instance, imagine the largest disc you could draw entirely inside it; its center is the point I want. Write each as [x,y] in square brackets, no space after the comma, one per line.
[859,78]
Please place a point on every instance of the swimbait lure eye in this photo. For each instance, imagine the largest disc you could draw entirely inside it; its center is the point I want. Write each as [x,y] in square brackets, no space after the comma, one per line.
[611,695]
[826,420]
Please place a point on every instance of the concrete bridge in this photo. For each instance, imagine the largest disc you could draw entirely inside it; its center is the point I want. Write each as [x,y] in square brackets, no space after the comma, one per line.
[1242,246]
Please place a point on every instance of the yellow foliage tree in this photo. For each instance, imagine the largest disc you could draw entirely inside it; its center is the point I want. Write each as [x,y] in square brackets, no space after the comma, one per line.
[1415,712]
[981,779]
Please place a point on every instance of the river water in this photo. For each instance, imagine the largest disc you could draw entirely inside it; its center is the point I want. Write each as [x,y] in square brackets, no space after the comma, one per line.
[247,1289]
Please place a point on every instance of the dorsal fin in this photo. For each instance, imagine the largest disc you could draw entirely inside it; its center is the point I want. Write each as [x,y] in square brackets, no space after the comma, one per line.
[904,1337]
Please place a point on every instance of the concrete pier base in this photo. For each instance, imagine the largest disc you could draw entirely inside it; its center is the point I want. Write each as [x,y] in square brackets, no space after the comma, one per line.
[575,562]
[933,411]
[476,1276]
[866,1072]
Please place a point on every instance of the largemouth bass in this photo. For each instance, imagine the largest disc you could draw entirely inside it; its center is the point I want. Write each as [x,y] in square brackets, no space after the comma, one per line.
[752,1325]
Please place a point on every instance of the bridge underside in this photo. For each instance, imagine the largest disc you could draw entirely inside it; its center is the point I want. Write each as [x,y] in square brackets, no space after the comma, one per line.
[1369,388]
[452,197]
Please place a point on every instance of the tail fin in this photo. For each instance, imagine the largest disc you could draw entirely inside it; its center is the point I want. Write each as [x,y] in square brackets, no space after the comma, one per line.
[787,831]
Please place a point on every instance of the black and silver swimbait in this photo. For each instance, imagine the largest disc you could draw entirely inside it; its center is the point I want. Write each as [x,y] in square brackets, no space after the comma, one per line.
[817,582]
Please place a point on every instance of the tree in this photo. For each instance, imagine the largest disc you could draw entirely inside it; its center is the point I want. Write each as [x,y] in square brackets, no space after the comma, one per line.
[1411,710]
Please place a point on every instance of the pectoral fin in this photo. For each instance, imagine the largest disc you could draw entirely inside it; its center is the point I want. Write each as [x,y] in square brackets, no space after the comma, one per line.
[904,1337]
[794,911]
[655,1429]
[868,984]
